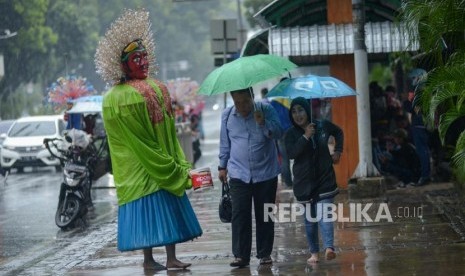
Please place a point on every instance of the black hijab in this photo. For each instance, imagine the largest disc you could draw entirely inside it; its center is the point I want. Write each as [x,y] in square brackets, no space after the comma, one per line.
[305,105]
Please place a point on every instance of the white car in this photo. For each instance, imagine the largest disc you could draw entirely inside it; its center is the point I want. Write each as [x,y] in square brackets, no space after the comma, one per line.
[23,145]
[4,127]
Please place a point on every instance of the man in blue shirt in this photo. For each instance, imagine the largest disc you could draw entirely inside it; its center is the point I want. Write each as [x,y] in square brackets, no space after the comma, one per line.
[248,155]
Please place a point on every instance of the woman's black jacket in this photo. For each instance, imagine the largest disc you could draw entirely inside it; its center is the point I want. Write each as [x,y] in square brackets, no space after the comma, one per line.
[314,176]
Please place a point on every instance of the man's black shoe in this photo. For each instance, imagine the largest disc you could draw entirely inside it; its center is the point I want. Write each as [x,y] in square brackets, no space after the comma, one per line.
[424,181]
[238,262]
[421,182]
[266,261]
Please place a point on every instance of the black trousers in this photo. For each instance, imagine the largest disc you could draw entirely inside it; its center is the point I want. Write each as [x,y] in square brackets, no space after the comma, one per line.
[242,196]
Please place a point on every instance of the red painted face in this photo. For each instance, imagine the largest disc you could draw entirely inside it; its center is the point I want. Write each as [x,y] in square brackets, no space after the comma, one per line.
[137,66]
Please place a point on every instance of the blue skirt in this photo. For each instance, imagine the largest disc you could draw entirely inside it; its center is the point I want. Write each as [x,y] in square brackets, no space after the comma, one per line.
[155,220]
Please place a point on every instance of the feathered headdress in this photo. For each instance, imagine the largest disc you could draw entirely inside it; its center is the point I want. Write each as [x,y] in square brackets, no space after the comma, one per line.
[130,26]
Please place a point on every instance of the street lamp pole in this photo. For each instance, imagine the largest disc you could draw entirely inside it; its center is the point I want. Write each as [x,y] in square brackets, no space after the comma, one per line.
[241,27]
[241,30]
[365,167]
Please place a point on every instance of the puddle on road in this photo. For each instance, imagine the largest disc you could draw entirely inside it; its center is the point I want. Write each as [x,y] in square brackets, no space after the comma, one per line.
[408,245]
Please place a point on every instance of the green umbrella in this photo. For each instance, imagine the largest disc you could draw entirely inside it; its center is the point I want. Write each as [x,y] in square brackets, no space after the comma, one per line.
[243,73]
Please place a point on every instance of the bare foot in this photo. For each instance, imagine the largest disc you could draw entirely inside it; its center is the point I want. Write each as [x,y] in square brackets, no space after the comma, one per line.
[330,254]
[152,265]
[313,259]
[177,264]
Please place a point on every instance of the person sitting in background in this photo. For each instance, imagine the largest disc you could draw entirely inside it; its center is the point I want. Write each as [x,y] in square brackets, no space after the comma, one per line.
[89,121]
[393,104]
[401,159]
[378,109]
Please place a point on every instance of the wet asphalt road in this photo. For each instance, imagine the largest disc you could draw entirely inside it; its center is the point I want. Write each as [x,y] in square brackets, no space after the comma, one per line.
[406,246]
[410,245]
[27,217]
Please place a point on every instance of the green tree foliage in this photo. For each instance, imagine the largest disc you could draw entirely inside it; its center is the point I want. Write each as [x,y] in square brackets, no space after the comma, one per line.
[381,74]
[182,33]
[33,38]
[58,37]
[440,27]
[53,35]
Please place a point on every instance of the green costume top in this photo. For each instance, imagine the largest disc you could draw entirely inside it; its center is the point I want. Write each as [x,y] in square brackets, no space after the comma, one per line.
[145,152]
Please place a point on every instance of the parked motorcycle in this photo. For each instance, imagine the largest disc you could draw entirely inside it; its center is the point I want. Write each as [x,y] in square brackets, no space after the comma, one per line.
[78,156]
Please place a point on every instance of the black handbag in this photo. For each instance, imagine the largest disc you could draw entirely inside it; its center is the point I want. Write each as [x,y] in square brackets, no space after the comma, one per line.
[225,207]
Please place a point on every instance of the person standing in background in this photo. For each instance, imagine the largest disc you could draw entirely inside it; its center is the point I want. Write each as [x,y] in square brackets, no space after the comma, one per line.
[195,133]
[73,120]
[263,93]
[417,127]
[281,106]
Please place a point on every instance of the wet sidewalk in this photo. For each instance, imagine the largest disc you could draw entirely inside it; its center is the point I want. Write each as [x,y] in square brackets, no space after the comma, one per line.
[421,239]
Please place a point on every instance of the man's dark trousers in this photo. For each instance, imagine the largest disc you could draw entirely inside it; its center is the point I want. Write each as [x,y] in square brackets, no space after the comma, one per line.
[242,195]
